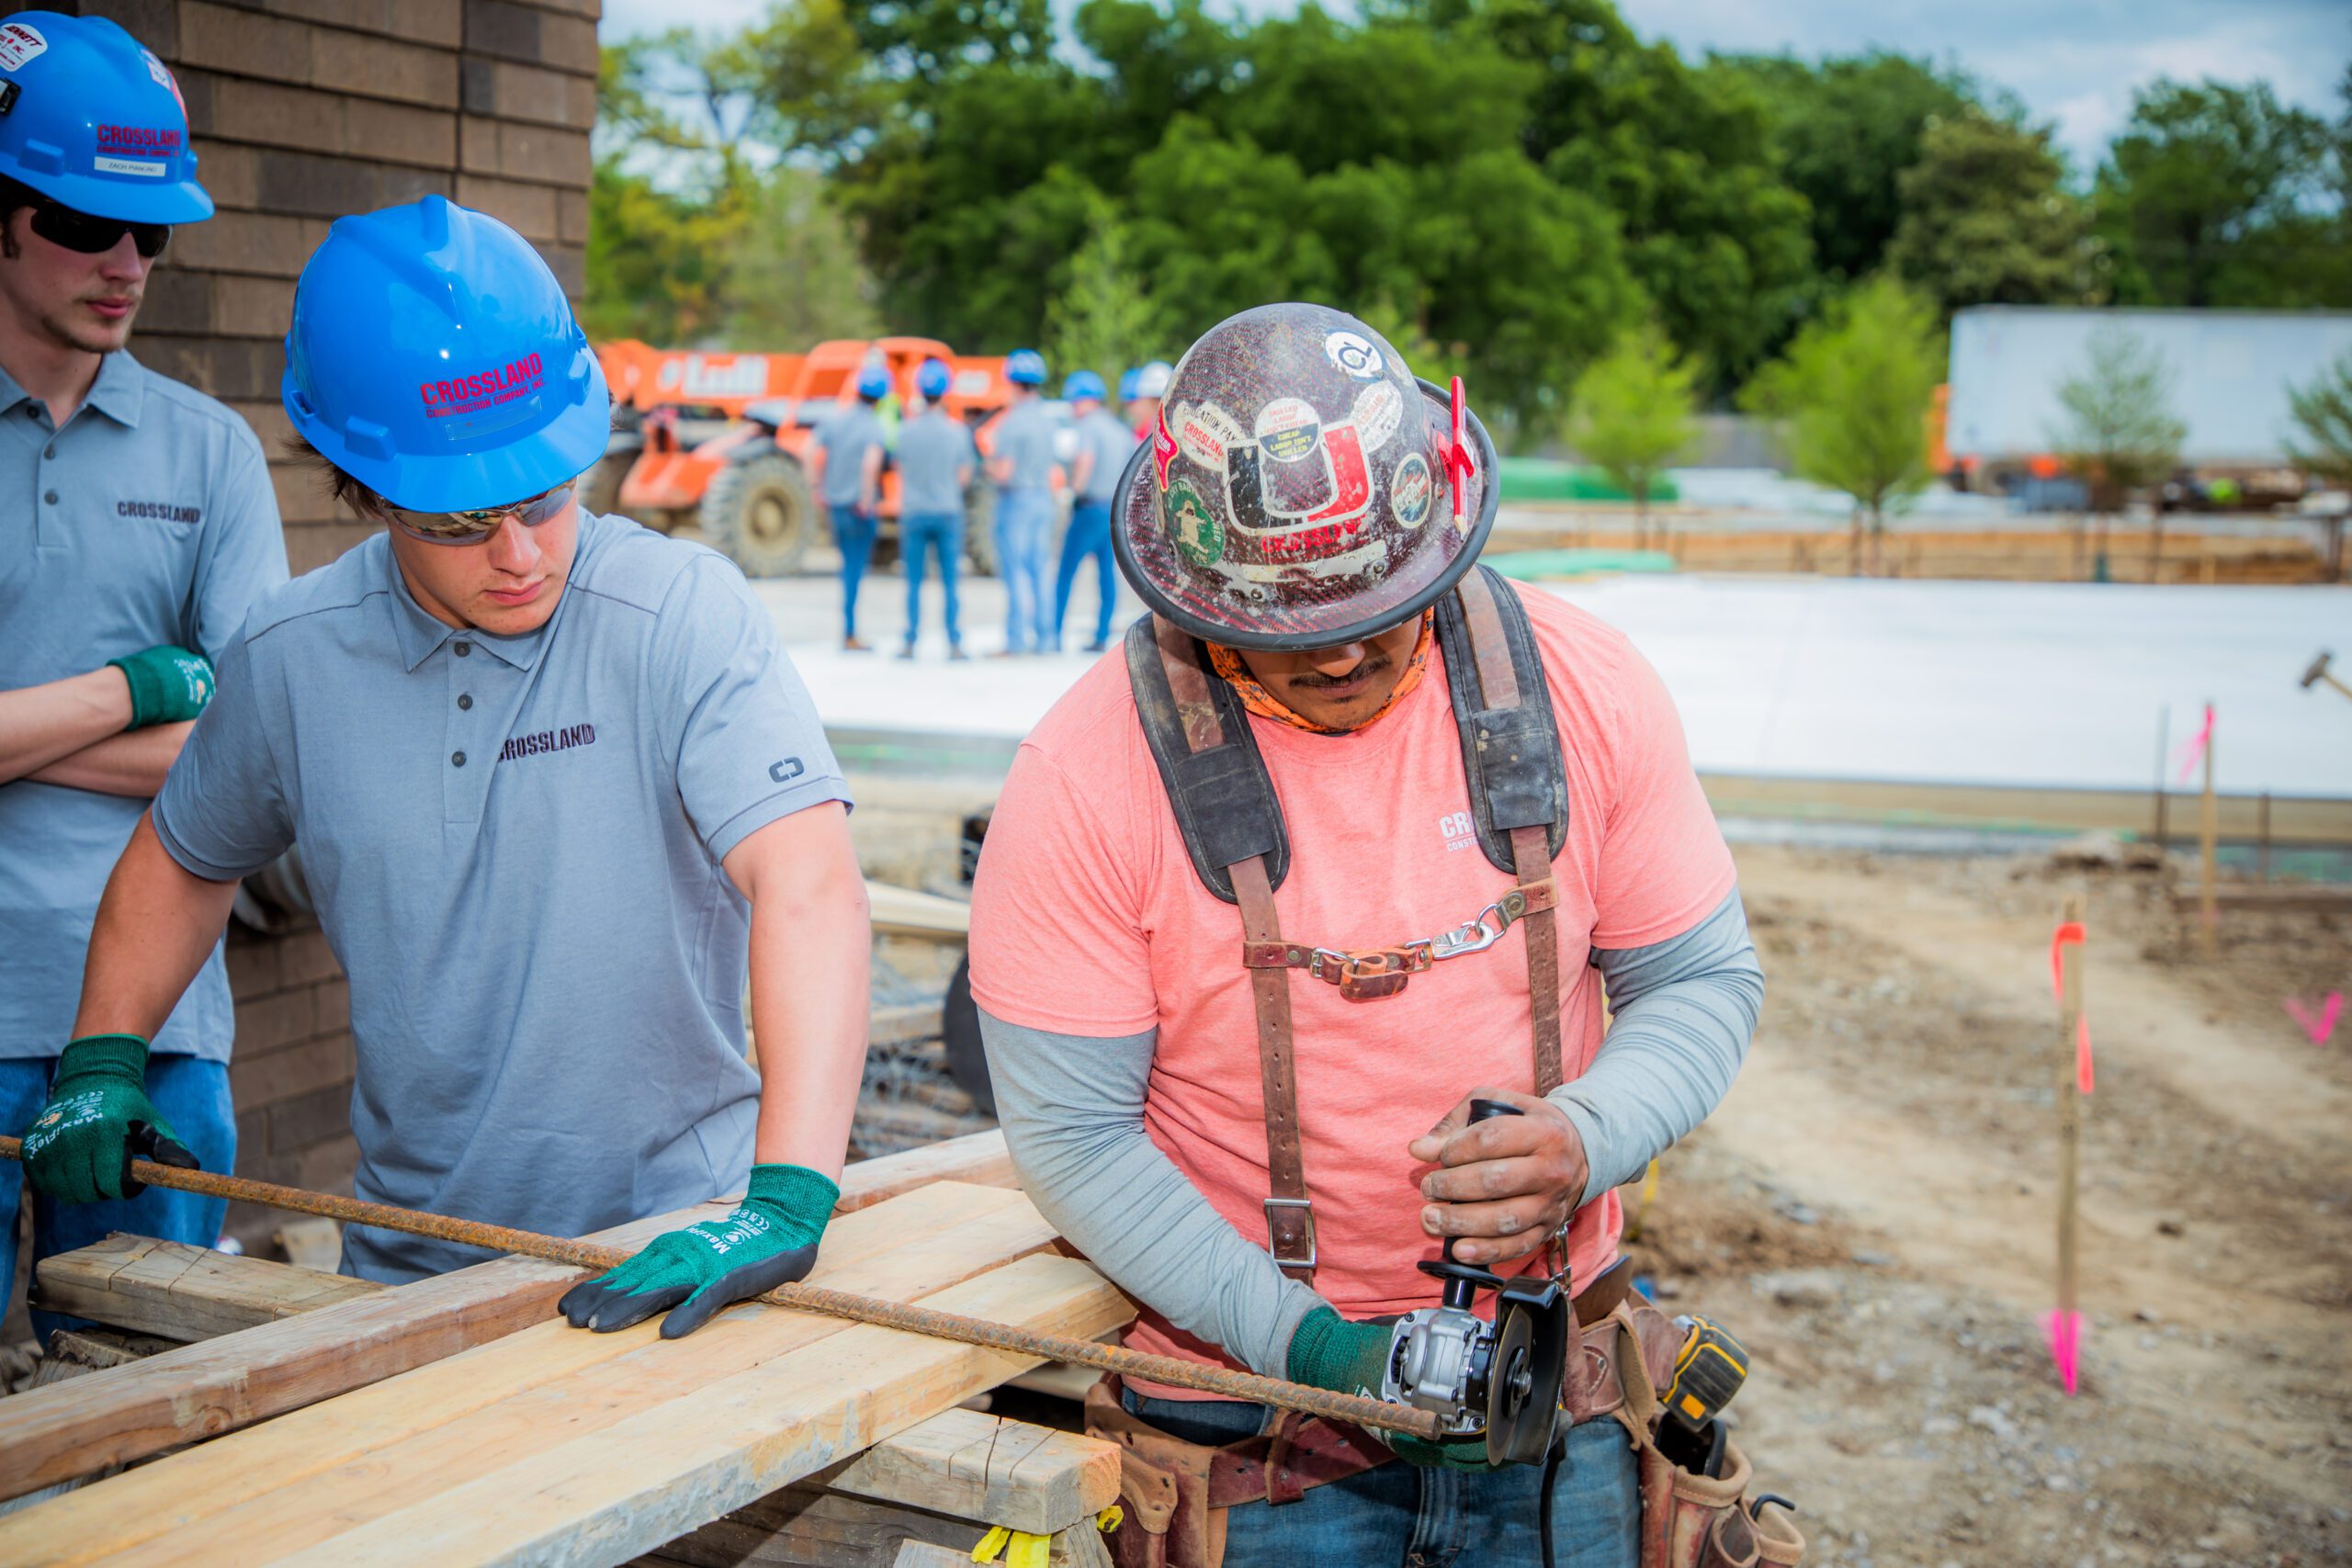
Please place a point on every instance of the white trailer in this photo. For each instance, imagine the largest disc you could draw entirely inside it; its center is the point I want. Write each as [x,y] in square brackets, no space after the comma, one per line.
[2231,370]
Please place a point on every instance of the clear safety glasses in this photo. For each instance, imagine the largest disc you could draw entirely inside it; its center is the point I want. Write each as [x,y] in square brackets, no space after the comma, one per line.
[473,527]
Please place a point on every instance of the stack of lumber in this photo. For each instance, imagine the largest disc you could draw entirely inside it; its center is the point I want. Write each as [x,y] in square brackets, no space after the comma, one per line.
[455,1421]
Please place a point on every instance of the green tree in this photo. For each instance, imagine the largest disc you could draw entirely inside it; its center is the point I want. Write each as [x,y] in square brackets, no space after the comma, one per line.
[2120,433]
[793,275]
[2203,193]
[1852,395]
[2323,413]
[1632,412]
[1987,220]
[1102,322]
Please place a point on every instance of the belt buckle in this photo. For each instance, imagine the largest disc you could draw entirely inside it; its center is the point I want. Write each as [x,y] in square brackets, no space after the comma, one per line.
[1274,1244]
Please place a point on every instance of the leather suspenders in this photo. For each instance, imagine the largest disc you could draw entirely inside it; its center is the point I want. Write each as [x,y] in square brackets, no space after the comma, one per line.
[1233,829]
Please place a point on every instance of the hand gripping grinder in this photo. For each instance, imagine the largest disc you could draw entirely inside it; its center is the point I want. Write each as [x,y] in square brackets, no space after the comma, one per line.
[1501,1379]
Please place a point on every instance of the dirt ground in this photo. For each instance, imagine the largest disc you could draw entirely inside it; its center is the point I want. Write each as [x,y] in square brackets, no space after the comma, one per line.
[1873,1210]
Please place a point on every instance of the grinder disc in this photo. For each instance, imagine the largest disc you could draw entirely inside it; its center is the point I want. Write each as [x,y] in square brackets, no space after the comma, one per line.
[1523,1383]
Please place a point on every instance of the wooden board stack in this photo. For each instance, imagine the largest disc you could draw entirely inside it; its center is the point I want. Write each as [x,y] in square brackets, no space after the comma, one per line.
[454,1421]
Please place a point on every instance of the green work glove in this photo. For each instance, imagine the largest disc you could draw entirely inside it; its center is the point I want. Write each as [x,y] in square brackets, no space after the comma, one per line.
[168,685]
[1328,1351]
[768,1239]
[98,1120]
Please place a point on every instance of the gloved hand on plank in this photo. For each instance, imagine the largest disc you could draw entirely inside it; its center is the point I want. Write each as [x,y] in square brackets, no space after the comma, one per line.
[768,1239]
[98,1121]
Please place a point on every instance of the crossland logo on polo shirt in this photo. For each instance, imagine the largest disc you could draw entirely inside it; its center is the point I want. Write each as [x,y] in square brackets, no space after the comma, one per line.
[159,511]
[544,741]
[471,394]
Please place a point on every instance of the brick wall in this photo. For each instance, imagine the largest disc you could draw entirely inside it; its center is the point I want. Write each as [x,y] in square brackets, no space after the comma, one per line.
[303,111]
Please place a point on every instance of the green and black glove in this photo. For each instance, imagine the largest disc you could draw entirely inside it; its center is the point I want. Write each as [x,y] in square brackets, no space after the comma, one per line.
[98,1121]
[168,685]
[1328,1351]
[767,1240]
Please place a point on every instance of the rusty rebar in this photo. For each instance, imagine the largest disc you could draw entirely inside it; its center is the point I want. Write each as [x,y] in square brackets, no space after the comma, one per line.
[1166,1370]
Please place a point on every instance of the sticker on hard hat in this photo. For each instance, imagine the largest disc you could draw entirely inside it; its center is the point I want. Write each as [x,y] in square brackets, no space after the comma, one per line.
[1206,434]
[1163,449]
[1297,511]
[20,43]
[1409,490]
[1353,355]
[1288,429]
[1195,533]
[1380,409]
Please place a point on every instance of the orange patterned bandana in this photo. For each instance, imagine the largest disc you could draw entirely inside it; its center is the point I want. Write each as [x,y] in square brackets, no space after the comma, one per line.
[1265,705]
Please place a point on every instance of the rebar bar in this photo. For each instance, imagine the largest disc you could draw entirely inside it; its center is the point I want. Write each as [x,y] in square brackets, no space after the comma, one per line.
[1165,1369]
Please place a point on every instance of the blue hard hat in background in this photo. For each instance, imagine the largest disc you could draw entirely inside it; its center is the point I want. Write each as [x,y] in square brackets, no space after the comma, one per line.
[435,359]
[873,383]
[1083,384]
[934,379]
[1128,386]
[1025,368]
[93,121]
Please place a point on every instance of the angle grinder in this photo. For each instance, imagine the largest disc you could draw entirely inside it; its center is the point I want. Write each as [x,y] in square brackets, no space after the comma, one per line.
[1501,1379]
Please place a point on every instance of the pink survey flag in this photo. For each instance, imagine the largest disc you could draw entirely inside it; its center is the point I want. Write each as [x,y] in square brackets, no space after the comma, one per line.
[2065,1331]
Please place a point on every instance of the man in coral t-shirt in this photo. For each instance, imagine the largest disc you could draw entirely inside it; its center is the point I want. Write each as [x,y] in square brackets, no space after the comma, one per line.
[1306,507]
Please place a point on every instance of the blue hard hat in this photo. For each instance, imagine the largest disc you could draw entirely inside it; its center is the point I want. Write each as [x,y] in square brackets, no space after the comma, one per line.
[1083,384]
[435,359]
[934,379]
[1025,368]
[1128,386]
[873,383]
[93,121]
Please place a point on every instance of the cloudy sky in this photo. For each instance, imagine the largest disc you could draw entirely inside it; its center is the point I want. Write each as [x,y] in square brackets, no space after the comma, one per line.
[2074,63]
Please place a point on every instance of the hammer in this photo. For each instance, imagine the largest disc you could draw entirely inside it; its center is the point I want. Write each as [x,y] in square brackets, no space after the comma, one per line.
[2318,672]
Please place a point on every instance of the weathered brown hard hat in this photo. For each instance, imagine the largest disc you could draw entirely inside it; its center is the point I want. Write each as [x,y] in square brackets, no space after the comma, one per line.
[1302,490]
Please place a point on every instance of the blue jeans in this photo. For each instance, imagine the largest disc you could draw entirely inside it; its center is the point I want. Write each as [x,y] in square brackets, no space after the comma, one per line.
[1402,1516]
[853,532]
[1089,535]
[943,534]
[191,1096]
[1025,527]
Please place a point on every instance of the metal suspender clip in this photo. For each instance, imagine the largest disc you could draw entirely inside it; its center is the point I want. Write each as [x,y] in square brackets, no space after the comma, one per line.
[1306,1208]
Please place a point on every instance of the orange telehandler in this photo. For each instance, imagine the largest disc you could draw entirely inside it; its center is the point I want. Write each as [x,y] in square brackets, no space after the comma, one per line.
[721,441]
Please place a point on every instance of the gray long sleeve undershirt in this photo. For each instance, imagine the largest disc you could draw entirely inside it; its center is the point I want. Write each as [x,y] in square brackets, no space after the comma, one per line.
[1683,1011]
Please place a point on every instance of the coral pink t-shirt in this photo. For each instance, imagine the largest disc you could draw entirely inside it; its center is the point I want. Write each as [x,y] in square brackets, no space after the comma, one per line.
[1089,919]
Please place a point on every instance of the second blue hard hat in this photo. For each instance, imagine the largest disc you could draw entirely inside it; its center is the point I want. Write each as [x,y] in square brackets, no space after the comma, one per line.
[873,383]
[934,379]
[93,121]
[1025,368]
[1083,385]
[435,359]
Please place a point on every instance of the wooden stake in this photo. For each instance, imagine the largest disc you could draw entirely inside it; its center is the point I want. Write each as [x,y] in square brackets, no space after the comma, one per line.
[2209,914]
[2070,1101]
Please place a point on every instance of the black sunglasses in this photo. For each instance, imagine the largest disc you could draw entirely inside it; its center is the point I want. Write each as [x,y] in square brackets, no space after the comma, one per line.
[91,236]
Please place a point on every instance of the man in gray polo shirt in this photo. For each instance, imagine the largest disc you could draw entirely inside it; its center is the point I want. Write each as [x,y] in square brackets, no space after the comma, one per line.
[850,448]
[1023,467]
[554,780]
[1104,445]
[936,457]
[137,530]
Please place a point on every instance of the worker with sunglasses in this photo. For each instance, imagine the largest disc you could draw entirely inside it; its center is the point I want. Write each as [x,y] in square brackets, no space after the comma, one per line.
[556,786]
[138,528]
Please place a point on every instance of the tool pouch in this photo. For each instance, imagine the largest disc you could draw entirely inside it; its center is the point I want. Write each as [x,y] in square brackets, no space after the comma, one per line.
[1690,1520]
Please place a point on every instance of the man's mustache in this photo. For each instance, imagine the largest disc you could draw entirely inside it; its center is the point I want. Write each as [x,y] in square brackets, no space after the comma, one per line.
[1315,680]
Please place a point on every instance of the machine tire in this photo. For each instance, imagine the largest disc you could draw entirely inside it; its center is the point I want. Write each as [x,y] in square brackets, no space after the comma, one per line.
[979,528]
[959,1031]
[759,514]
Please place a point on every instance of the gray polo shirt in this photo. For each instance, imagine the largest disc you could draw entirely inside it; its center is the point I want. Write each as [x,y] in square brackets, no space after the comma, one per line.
[847,434]
[1025,434]
[515,845]
[1103,433]
[147,519]
[931,446]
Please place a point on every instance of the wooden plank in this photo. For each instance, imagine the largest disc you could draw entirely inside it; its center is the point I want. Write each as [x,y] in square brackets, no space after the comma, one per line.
[296,1480]
[220,1385]
[648,1479]
[903,911]
[176,1292]
[1014,1474]
[2315,897]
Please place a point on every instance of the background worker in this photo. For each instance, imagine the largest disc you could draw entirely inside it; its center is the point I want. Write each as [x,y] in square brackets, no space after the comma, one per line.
[1103,447]
[139,528]
[1141,408]
[936,461]
[1293,545]
[554,781]
[1021,464]
[850,448]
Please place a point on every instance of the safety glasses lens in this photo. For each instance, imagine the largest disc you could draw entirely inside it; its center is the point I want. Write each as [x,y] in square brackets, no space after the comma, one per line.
[473,527]
[89,236]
